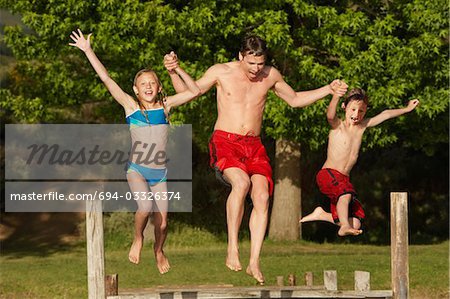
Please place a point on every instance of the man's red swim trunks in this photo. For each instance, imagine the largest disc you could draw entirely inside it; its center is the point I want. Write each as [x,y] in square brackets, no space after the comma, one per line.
[245,152]
[334,184]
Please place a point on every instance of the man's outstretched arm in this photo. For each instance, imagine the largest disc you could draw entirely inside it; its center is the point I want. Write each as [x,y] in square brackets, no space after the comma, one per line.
[304,98]
[205,83]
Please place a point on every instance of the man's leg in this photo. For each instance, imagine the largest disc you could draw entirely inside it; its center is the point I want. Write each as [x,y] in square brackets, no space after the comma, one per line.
[160,223]
[138,184]
[342,211]
[258,223]
[240,185]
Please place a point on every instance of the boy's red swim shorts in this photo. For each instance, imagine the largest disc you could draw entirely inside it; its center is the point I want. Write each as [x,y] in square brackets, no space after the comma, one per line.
[334,184]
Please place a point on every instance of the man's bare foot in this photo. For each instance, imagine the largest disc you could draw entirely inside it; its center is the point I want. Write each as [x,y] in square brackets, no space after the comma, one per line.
[162,262]
[232,261]
[349,231]
[254,272]
[316,215]
[135,251]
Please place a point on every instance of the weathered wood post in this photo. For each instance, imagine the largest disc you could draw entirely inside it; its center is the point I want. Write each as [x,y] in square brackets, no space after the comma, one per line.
[330,280]
[112,285]
[309,279]
[399,245]
[95,250]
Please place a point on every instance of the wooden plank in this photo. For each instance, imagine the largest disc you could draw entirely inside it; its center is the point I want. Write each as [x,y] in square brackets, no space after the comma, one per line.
[362,281]
[309,279]
[330,280]
[292,281]
[95,250]
[280,281]
[399,245]
[112,285]
[258,293]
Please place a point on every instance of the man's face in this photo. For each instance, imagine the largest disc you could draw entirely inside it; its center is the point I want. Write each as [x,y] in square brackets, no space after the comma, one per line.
[355,112]
[252,65]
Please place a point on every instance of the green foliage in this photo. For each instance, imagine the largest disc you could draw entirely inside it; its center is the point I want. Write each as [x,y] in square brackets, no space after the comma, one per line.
[395,50]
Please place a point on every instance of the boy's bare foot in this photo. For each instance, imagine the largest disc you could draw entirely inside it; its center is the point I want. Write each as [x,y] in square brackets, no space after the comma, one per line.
[135,251]
[349,231]
[255,273]
[162,262]
[316,215]
[232,260]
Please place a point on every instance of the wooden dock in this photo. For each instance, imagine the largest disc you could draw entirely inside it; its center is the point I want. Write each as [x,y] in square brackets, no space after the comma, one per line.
[228,292]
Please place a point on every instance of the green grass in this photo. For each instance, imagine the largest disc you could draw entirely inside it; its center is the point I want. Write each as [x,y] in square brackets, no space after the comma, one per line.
[62,274]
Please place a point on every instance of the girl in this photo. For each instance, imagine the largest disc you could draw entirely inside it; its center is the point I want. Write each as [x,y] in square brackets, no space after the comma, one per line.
[147,117]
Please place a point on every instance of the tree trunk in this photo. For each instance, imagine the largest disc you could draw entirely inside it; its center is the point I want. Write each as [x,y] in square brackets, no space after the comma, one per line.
[286,208]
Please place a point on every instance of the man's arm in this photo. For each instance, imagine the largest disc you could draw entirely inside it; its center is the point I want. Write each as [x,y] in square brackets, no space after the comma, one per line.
[184,96]
[391,113]
[85,45]
[205,83]
[302,98]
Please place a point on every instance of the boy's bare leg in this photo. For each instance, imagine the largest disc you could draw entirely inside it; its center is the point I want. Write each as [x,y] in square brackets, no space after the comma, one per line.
[355,222]
[138,184]
[318,214]
[258,224]
[342,211]
[160,223]
[240,185]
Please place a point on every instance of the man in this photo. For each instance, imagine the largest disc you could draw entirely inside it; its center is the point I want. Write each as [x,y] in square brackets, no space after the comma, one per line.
[235,147]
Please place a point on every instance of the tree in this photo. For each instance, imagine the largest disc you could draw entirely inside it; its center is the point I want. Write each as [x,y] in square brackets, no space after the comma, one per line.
[396,50]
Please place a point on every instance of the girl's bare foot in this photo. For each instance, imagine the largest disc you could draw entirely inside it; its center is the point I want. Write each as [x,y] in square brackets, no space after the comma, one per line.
[232,260]
[255,272]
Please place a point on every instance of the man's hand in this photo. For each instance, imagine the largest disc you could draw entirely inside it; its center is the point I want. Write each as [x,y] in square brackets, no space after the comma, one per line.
[171,62]
[338,87]
[81,42]
[412,104]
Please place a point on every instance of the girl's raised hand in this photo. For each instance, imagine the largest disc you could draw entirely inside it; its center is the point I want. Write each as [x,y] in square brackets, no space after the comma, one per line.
[80,41]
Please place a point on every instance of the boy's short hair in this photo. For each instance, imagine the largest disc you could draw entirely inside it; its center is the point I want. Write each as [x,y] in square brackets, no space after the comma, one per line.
[253,44]
[357,94]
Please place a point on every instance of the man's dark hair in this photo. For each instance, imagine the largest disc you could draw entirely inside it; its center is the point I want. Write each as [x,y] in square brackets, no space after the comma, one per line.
[253,44]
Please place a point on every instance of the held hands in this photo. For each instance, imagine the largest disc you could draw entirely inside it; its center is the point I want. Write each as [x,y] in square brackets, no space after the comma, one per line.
[171,62]
[412,104]
[81,42]
[338,87]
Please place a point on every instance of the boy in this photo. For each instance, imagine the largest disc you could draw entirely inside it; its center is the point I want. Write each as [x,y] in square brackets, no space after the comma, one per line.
[343,146]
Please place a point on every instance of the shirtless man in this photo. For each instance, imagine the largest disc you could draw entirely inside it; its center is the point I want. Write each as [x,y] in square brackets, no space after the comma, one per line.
[235,147]
[344,142]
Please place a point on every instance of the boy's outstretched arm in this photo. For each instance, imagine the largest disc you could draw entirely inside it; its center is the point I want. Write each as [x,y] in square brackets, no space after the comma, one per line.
[391,113]
[332,117]
[85,45]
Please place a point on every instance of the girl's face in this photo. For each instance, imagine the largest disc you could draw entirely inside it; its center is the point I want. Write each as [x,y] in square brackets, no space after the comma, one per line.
[355,112]
[147,87]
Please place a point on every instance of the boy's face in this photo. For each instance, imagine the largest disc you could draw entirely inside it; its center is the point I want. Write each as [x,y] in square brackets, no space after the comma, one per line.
[252,65]
[147,87]
[355,112]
